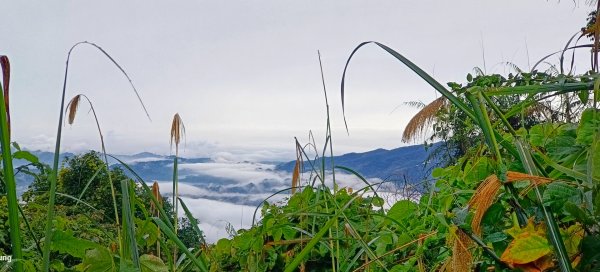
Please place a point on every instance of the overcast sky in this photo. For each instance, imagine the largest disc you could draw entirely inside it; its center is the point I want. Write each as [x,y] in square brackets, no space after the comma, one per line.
[244,75]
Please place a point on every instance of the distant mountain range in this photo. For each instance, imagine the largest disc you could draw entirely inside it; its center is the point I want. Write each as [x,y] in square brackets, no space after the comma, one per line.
[400,164]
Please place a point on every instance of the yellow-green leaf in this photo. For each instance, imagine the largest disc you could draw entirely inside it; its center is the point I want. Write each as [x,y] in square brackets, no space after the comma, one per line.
[526,248]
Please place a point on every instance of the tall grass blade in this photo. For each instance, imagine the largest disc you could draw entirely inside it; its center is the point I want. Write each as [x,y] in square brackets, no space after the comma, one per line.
[424,75]
[168,231]
[87,184]
[317,237]
[553,230]
[11,186]
[36,240]
[193,221]
[147,191]
[72,109]
[431,81]
[129,243]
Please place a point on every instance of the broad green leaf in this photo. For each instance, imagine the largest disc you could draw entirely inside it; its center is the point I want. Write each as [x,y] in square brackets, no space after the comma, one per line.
[526,248]
[64,242]
[151,263]
[97,260]
[223,246]
[25,155]
[588,126]
[539,134]
[402,209]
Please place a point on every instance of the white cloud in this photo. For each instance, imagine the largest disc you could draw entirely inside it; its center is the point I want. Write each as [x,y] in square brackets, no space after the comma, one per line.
[214,215]
[242,172]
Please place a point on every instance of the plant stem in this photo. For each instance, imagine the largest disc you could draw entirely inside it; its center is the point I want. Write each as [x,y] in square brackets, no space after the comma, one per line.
[11,187]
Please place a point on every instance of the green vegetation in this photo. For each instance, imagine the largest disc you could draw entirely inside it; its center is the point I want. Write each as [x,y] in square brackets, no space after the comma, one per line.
[519,189]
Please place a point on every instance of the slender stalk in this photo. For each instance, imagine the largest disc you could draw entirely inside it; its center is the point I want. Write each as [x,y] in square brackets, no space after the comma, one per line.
[11,187]
[54,173]
[175,197]
[107,168]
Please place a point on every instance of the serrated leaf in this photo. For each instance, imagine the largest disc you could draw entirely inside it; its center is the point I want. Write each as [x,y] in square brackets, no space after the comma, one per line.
[495,237]
[558,193]
[526,248]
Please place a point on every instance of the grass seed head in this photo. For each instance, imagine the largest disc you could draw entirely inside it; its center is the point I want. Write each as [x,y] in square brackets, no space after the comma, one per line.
[423,118]
[72,108]
[482,199]
[297,167]
[177,130]
[461,259]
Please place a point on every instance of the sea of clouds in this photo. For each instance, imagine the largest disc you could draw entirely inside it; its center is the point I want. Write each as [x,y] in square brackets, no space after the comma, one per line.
[218,205]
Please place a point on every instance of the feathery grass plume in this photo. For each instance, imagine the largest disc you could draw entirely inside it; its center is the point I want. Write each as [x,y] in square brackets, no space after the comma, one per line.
[156,211]
[462,259]
[423,118]
[177,131]
[156,194]
[482,199]
[72,107]
[486,192]
[533,180]
[5,64]
[297,168]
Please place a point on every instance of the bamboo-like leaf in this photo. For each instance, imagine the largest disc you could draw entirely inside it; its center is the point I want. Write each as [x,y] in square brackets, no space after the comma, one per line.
[540,89]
